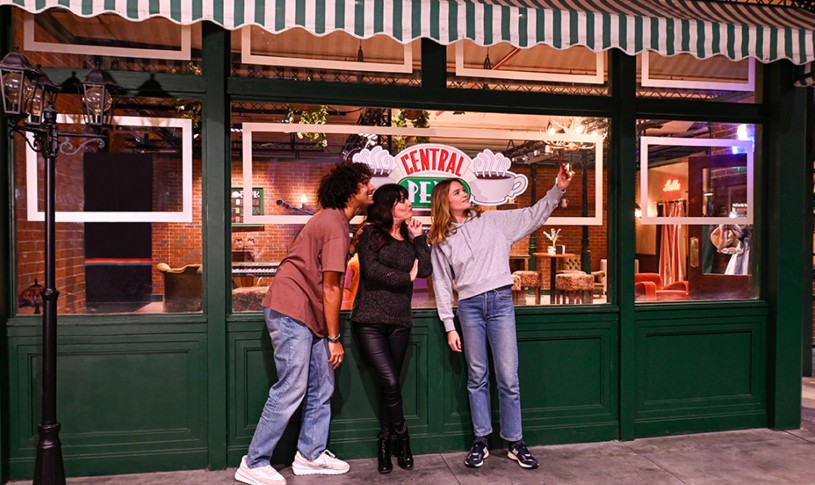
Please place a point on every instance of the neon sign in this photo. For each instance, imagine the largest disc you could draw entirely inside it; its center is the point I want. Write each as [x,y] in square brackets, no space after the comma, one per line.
[672,185]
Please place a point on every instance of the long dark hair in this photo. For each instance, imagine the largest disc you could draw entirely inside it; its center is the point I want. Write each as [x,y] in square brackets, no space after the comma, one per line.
[380,214]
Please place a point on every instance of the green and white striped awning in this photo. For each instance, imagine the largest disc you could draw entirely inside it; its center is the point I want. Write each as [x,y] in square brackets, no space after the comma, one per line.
[700,28]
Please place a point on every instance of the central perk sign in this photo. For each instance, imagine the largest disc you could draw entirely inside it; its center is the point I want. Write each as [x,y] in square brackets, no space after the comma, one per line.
[419,168]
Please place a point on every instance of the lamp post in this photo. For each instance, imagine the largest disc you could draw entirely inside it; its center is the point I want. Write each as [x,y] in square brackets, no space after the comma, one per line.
[28,104]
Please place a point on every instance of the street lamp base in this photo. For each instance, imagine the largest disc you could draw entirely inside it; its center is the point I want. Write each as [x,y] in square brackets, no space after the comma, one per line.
[49,469]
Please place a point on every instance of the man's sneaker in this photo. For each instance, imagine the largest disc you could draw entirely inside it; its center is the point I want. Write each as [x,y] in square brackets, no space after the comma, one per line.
[477,454]
[520,453]
[325,464]
[262,475]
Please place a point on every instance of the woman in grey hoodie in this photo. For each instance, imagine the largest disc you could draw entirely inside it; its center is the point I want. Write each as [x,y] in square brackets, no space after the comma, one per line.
[473,249]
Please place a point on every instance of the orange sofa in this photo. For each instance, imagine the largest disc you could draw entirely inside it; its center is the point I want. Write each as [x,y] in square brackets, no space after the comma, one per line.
[649,287]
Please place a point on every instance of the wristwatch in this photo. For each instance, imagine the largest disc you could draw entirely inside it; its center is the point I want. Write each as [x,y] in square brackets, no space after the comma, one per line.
[334,339]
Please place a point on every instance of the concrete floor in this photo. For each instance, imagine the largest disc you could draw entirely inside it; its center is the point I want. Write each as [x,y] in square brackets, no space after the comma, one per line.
[759,456]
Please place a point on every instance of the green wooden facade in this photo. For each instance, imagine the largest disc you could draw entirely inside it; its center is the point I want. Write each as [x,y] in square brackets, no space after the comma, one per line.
[165,392]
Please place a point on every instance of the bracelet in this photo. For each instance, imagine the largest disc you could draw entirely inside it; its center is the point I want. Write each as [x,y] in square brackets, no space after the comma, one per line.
[334,339]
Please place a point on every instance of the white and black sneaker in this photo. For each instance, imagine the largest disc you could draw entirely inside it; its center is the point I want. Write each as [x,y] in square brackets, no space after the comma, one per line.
[520,453]
[477,454]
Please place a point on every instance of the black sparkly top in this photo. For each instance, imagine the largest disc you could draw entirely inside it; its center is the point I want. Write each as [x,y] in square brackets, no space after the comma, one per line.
[385,290]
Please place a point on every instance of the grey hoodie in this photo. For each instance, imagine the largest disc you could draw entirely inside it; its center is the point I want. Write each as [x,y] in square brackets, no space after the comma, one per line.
[476,254]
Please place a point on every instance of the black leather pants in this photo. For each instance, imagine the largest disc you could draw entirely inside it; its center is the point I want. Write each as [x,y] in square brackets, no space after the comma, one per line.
[384,347]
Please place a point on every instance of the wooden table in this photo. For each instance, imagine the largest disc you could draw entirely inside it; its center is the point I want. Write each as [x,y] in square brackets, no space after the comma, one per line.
[553,269]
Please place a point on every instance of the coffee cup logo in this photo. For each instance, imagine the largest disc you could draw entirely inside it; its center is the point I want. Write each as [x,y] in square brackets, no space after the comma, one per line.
[381,163]
[494,184]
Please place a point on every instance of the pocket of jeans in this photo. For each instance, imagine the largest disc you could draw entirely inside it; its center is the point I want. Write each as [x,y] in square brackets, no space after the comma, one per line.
[504,293]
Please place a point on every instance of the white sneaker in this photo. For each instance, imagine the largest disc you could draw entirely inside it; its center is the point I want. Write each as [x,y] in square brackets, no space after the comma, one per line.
[262,475]
[325,464]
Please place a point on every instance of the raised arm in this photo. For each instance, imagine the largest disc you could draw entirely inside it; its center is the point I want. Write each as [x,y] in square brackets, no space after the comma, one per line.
[519,223]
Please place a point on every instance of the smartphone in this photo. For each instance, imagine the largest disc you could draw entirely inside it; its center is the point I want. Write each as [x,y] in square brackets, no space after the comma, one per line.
[565,166]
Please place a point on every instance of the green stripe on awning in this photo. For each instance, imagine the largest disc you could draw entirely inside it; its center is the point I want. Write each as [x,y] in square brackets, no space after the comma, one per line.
[319,16]
[379,16]
[523,27]
[703,29]
[434,26]
[359,13]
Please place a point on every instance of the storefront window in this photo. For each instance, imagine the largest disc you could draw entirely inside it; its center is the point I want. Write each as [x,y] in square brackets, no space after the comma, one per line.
[696,225]
[540,68]
[685,77]
[336,57]
[281,159]
[128,214]
[58,38]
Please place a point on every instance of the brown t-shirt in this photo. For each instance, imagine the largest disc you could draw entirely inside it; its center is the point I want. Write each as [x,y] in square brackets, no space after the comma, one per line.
[297,288]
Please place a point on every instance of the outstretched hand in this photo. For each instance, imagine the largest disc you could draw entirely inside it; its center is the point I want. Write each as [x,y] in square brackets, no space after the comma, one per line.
[564,177]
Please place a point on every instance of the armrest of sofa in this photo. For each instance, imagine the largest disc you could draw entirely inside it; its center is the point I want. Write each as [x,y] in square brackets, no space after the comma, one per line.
[645,291]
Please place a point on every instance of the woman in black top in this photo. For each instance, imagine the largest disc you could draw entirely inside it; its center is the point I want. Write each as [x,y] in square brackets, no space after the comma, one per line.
[393,252]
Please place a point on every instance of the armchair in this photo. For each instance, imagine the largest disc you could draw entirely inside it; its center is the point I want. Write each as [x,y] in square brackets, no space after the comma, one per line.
[183,288]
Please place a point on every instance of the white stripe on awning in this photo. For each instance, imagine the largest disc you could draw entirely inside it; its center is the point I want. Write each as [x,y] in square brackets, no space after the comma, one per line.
[699,28]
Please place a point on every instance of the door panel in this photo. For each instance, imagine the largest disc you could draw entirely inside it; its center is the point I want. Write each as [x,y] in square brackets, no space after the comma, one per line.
[715,190]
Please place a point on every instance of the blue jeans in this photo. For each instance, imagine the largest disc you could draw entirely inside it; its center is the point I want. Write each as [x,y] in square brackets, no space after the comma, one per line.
[303,371]
[489,318]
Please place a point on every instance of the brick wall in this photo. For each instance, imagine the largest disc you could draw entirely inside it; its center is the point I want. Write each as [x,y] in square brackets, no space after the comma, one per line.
[70,237]
[570,236]
[281,180]
[178,243]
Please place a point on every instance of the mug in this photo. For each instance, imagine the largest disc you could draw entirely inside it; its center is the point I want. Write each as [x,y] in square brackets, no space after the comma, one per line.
[497,190]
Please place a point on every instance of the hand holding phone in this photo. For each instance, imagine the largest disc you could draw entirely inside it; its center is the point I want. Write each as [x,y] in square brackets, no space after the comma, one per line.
[567,167]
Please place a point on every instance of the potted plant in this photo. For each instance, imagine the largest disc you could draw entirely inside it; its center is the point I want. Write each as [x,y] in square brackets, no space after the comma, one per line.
[418,119]
[310,115]
[552,235]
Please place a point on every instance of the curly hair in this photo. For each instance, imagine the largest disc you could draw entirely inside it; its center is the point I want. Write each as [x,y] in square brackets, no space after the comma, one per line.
[341,183]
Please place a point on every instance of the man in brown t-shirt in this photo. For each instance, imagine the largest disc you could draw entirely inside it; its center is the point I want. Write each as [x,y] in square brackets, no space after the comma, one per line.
[302,312]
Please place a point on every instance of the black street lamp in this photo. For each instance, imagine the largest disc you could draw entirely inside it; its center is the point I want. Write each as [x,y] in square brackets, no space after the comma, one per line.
[28,103]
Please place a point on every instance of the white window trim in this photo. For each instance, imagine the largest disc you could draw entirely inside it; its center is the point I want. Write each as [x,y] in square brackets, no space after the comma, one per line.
[250,128]
[185,215]
[406,67]
[183,53]
[746,86]
[596,78]
[647,141]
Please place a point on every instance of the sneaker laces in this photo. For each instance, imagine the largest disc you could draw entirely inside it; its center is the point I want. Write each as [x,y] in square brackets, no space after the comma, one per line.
[521,449]
[325,458]
[477,449]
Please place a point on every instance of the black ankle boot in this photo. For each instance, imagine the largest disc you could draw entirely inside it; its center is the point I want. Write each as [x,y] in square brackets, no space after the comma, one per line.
[404,455]
[383,456]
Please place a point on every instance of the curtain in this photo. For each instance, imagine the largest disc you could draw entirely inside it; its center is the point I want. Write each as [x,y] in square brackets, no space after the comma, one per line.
[673,247]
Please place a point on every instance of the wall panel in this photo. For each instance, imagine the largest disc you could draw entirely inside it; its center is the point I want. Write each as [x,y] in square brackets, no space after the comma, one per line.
[127,403]
[700,374]
[567,372]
